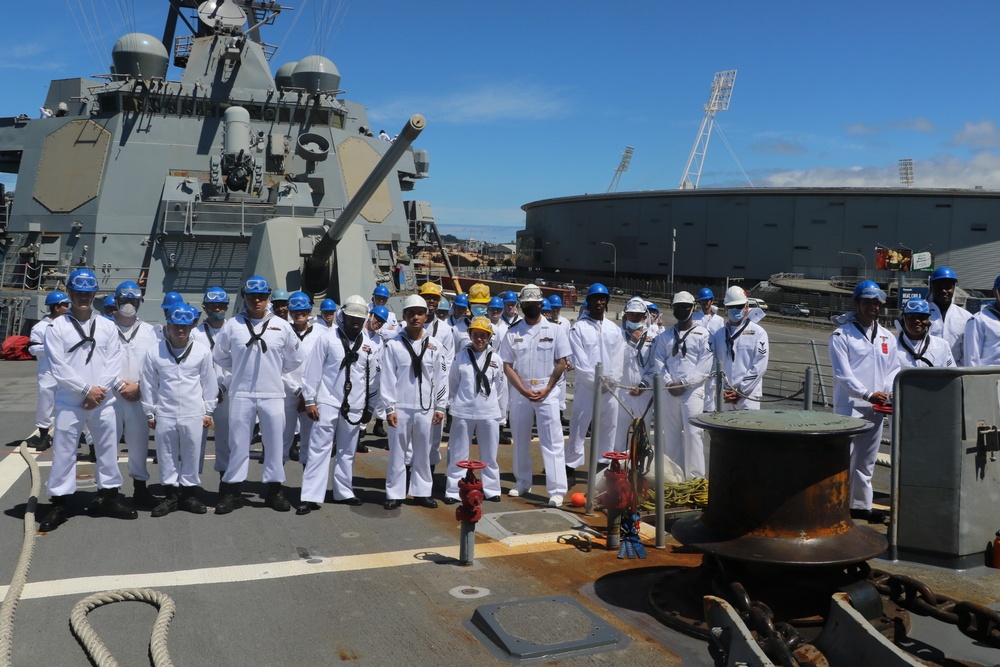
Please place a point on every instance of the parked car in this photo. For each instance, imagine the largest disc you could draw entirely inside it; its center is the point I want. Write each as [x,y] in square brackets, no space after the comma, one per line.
[794,309]
[757,303]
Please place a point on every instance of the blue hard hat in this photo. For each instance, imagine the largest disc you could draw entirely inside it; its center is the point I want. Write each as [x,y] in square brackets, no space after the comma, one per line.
[82,280]
[652,306]
[56,297]
[444,304]
[461,300]
[555,301]
[509,297]
[256,285]
[942,273]
[182,313]
[495,302]
[171,298]
[546,306]
[917,306]
[704,293]
[597,288]
[128,290]
[381,290]
[328,304]
[299,301]
[381,312]
[215,295]
[280,295]
[868,289]
[109,300]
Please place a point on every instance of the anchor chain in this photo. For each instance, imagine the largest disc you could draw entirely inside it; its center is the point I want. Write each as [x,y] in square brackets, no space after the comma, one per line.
[777,639]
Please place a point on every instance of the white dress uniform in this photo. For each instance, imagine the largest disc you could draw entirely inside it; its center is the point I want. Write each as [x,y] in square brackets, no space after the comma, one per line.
[46,383]
[130,418]
[445,335]
[594,342]
[951,327]
[171,378]
[930,352]
[205,334]
[256,389]
[532,351]
[414,394]
[982,338]
[308,339]
[744,351]
[477,388]
[636,356]
[82,355]
[712,322]
[685,357]
[342,378]
[864,362]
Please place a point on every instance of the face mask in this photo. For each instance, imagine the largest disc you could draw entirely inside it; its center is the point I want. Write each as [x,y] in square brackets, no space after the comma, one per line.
[128,310]
[735,314]
[217,317]
[532,310]
[478,311]
[683,314]
[632,326]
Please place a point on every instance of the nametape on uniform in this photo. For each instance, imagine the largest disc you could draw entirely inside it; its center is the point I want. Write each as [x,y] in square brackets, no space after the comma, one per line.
[545,340]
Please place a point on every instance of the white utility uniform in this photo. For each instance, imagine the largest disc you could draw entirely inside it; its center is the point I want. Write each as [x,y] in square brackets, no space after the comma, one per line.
[171,379]
[982,338]
[325,382]
[532,350]
[79,361]
[475,412]
[256,389]
[459,332]
[594,342]
[712,322]
[130,417]
[205,334]
[684,357]
[931,352]
[561,387]
[744,350]
[308,339]
[46,383]
[864,362]
[636,355]
[414,395]
[951,327]
[445,335]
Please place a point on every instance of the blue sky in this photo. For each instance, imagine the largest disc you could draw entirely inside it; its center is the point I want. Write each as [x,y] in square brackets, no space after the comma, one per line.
[531,100]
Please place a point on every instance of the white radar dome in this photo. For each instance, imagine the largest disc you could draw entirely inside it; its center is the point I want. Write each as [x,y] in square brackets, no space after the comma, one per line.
[140,56]
[316,74]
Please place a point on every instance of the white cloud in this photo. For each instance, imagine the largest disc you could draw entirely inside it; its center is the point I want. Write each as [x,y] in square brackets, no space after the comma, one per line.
[779,147]
[483,104]
[941,171]
[920,124]
[861,129]
[984,134]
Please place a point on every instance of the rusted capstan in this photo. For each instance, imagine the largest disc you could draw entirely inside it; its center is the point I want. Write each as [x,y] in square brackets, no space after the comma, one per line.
[779,490]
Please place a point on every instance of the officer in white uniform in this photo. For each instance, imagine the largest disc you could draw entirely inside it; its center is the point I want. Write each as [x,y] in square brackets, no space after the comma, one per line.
[137,338]
[683,356]
[594,339]
[176,371]
[743,349]
[948,319]
[215,303]
[638,347]
[85,357]
[917,348]
[865,363]
[58,303]
[414,395]
[982,333]
[478,388]
[340,385]
[534,353]
[257,348]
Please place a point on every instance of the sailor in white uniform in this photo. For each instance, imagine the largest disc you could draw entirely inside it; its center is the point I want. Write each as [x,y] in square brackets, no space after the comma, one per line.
[707,315]
[374,324]
[327,315]
[440,330]
[380,297]
[85,357]
[743,349]
[340,385]
[414,395]
[257,348]
[215,303]
[58,303]
[982,333]
[296,420]
[655,319]
[534,353]
[638,347]
[948,319]
[175,373]
[865,363]
[918,348]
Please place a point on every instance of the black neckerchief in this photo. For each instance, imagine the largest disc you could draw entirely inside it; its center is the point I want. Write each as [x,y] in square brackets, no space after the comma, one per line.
[254,336]
[680,342]
[917,355]
[512,322]
[208,334]
[864,333]
[350,356]
[638,346]
[482,380]
[128,339]
[304,333]
[183,355]
[731,339]
[417,362]
[350,350]
[993,309]
[84,338]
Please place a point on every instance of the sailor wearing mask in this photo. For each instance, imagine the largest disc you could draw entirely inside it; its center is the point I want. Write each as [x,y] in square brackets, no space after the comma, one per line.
[58,303]
[916,346]
[982,333]
[299,309]
[494,310]
[948,319]
[594,339]
[865,363]
[683,356]
[743,350]
[638,347]
[215,303]
[479,300]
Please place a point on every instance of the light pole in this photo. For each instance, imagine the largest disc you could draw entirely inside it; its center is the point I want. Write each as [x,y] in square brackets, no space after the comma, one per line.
[863,259]
[614,260]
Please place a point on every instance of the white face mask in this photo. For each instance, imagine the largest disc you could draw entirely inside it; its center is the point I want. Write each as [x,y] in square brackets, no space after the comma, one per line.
[128,310]
[632,326]
[735,315]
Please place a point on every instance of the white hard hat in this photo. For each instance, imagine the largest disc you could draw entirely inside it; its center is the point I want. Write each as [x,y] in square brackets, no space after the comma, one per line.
[414,301]
[356,306]
[635,306]
[683,297]
[530,293]
[735,296]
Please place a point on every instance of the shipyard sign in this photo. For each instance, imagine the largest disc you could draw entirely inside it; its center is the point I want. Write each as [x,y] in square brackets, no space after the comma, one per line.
[922,261]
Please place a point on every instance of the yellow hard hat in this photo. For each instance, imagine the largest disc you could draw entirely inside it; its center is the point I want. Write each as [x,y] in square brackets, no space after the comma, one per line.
[431,288]
[479,293]
[481,323]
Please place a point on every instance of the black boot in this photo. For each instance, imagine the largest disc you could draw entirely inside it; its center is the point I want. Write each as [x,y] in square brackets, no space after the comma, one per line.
[447,423]
[168,504]
[379,430]
[275,498]
[142,498]
[570,476]
[109,503]
[362,447]
[188,500]
[56,517]
[230,498]
[92,455]
[294,451]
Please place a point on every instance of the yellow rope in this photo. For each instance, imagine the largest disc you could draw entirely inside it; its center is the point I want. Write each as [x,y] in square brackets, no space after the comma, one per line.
[693,493]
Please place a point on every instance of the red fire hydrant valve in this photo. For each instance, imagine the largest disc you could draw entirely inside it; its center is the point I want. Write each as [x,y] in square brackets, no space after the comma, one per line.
[470,490]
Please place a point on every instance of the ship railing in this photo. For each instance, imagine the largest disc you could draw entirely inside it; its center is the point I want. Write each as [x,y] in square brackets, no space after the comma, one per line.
[230,218]
[182,49]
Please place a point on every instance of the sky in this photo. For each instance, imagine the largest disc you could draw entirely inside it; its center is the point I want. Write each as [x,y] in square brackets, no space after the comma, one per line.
[532,100]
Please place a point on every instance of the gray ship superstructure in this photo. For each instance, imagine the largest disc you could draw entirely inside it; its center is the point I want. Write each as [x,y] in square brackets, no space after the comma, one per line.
[182,185]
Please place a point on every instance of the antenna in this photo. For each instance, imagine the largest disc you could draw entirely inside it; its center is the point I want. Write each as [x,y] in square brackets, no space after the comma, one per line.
[906,172]
[722,90]
[622,168]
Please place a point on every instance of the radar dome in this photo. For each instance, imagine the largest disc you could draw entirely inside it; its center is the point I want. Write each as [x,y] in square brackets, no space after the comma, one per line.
[316,74]
[140,56]
[283,77]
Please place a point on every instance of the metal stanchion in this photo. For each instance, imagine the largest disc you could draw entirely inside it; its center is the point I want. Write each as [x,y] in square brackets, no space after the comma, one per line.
[807,393]
[718,387]
[595,425]
[819,371]
[658,447]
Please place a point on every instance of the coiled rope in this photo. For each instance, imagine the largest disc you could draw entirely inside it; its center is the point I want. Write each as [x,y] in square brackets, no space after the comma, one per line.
[612,384]
[82,630]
